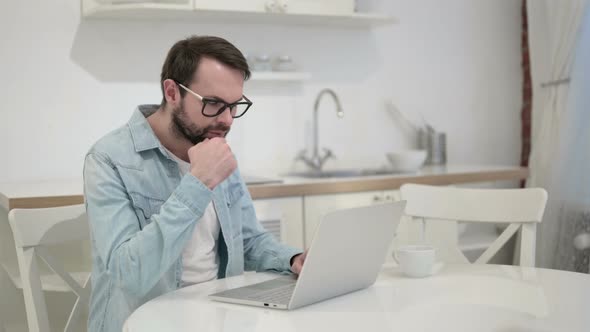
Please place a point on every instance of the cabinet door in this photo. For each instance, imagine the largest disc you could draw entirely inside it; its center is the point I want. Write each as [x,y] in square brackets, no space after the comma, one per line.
[283,217]
[318,7]
[235,5]
[318,205]
[391,195]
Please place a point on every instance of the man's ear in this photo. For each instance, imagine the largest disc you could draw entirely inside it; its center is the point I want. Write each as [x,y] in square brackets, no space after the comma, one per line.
[171,92]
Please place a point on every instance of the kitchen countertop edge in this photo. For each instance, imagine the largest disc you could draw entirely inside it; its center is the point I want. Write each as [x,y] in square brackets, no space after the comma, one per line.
[306,187]
[383,182]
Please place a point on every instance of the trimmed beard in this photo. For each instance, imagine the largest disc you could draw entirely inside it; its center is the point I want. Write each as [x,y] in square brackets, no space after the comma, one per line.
[182,127]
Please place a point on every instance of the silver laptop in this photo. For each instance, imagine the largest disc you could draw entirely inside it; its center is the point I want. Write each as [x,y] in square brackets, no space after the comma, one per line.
[347,252]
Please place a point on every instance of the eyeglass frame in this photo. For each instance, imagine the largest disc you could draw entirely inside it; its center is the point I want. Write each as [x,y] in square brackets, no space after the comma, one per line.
[206,100]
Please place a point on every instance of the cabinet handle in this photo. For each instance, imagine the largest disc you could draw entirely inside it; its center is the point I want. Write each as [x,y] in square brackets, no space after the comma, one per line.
[271,6]
[283,6]
[377,198]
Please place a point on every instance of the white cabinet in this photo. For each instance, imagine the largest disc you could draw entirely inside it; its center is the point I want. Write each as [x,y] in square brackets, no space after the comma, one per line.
[391,196]
[328,7]
[279,12]
[318,205]
[259,6]
[283,77]
[294,219]
[283,217]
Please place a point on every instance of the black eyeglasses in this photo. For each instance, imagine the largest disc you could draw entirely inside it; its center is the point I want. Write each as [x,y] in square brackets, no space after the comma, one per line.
[213,107]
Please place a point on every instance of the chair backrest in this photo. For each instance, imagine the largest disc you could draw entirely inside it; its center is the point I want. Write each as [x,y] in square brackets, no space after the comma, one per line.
[522,209]
[33,230]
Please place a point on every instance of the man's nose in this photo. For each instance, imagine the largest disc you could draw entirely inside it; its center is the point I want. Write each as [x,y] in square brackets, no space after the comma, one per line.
[225,117]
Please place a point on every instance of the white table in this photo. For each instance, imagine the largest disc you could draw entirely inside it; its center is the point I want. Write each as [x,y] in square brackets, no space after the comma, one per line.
[458,298]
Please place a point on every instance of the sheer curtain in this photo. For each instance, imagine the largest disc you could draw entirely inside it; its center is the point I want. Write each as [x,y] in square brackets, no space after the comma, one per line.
[560,147]
[572,176]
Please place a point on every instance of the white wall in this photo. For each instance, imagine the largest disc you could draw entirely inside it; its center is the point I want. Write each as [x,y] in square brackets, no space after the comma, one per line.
[66,82]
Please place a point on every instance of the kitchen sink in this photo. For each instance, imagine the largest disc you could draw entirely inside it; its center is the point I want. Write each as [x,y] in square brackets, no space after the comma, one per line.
[342,173]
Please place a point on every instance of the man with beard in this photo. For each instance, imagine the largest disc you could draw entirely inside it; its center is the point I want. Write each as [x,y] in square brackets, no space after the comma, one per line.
[165,201]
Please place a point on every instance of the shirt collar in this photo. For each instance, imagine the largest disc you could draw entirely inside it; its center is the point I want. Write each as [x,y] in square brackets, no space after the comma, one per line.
[142,133]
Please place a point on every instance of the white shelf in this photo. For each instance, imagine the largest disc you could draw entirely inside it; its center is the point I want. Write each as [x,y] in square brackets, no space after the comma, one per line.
[280,76]
[152,11]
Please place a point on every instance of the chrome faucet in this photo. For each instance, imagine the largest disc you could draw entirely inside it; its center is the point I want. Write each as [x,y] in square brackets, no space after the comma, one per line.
[316,161]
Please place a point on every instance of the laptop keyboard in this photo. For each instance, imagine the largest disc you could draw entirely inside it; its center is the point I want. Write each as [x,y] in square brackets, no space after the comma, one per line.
[277,291]
[280,295]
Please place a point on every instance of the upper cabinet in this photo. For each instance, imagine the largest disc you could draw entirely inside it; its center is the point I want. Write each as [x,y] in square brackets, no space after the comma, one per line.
[312,7]
[254,6]
[295,12]
[316,7]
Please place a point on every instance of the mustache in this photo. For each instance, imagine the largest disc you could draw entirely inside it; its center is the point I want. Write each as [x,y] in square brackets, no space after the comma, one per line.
[219,127]
[182,127]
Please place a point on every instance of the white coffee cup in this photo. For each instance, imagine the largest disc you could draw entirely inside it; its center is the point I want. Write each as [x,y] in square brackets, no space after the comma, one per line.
[415,261]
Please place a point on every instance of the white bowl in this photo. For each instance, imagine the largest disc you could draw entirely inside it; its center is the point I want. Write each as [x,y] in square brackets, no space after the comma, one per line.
[407,160]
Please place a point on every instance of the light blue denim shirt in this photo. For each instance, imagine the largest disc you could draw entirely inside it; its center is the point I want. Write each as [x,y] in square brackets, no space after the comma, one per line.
[141,215]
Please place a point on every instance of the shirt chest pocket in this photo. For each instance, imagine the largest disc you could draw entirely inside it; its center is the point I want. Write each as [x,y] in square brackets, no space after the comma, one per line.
[234,194]
[145,207]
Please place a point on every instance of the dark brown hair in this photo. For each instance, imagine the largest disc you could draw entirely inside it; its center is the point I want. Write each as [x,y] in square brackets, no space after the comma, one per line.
[184,57]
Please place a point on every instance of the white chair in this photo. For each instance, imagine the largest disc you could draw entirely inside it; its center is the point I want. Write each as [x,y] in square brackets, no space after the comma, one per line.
[520,209]
[34,230]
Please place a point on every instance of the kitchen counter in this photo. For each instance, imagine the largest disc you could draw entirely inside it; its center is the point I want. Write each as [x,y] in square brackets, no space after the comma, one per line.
[70,191]
[434,175]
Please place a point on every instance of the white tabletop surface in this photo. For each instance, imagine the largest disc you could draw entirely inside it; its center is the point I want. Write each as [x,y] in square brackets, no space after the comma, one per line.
[457,298]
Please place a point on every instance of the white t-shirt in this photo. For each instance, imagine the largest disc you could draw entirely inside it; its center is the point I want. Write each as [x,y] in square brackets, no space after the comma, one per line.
[200,260]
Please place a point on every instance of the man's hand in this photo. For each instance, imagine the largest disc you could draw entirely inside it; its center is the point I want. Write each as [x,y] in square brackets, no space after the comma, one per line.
[297,262]
[212,161]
